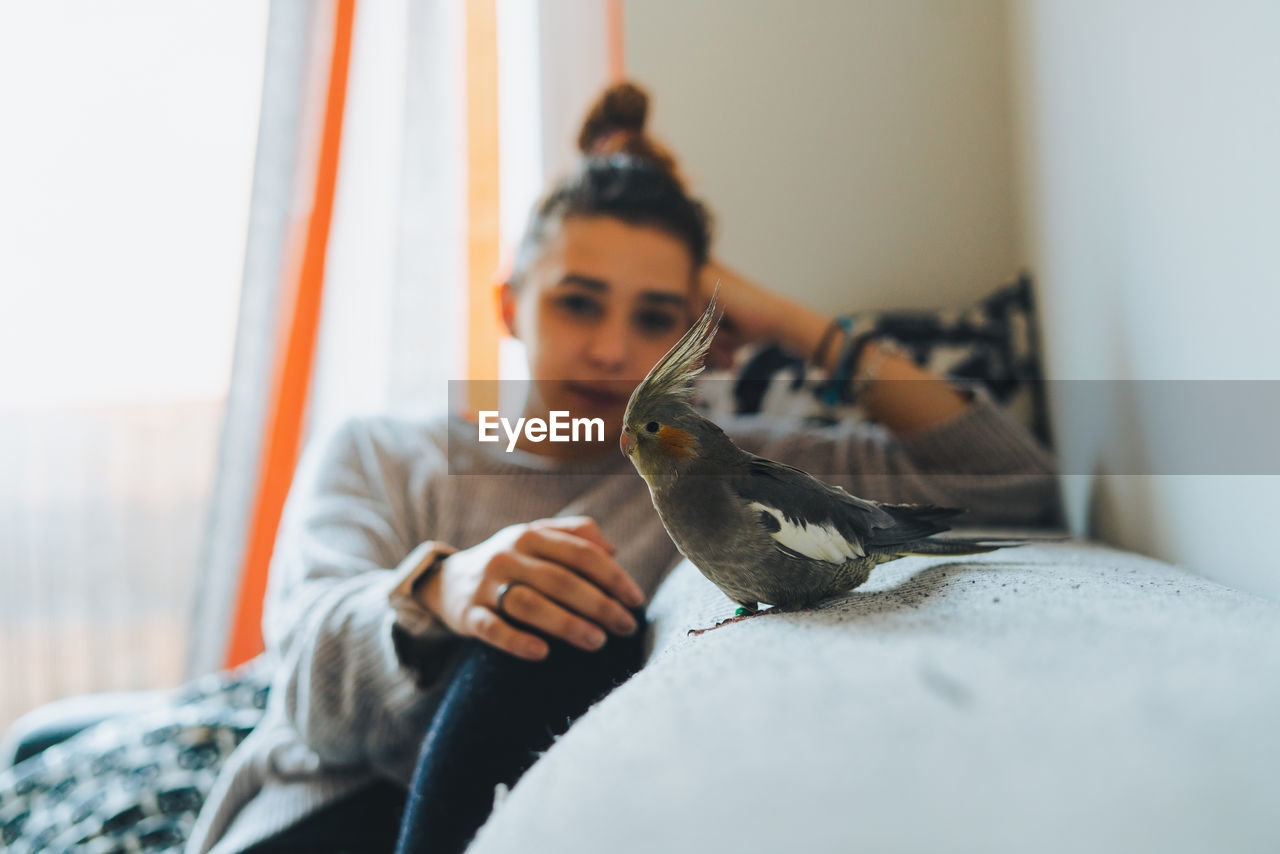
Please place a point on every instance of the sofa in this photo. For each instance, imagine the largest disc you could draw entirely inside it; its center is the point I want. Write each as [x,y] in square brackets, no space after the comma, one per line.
[1062,696]
[1057,697]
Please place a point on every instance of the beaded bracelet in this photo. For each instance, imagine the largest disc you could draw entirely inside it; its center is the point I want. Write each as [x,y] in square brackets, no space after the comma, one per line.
[845,386]
[870,372]
[842,381]
[833,391]
[845,325]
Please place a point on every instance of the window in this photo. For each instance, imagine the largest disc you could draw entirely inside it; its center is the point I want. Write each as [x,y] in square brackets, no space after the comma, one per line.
[126,162]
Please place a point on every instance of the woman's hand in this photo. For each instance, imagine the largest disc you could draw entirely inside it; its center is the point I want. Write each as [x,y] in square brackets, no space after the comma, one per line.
[563,579]
[752,308]
[752,312]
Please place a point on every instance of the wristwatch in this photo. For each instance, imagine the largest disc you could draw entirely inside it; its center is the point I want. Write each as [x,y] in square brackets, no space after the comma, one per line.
[412,576]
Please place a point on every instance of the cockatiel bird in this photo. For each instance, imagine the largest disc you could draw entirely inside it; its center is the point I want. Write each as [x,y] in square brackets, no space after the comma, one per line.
[762,531]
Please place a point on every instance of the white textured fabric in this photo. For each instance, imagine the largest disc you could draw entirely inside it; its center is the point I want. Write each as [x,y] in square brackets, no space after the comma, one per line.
[343,709]
[1057,697]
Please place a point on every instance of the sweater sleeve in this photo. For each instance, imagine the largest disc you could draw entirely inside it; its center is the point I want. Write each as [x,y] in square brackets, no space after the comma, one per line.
[980,459]
[344,549]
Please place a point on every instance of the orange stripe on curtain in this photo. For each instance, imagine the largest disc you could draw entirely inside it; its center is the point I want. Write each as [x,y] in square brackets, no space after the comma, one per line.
[295,355]
[614,33]
[482,202]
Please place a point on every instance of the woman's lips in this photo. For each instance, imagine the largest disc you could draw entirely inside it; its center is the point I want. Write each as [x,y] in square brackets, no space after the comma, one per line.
[598,395]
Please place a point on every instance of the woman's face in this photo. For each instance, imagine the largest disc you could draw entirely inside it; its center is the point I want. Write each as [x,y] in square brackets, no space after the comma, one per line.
[596,311]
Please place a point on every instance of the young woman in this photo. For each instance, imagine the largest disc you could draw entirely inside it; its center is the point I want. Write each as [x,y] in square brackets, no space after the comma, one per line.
[438,605]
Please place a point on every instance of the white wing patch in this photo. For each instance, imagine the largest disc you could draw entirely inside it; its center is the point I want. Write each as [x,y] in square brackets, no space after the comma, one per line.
[819,542]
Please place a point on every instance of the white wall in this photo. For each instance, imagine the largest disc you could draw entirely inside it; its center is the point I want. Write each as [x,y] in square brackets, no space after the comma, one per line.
[877,153]
[1150,136]
[857,154]
[552,64]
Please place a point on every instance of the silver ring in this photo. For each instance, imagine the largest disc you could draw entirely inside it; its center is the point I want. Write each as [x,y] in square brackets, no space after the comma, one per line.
[502,593]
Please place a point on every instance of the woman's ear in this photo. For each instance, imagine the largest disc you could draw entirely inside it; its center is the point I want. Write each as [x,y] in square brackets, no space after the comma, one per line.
[507,307]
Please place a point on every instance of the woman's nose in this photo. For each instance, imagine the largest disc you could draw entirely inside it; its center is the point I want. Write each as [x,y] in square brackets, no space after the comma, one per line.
[609,345]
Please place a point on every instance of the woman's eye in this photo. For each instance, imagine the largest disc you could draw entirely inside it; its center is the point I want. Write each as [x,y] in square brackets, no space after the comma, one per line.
[579,306]
[652,426]
[655,322]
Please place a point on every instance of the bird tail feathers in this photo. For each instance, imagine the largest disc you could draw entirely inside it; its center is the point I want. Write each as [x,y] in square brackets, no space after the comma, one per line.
[956,546]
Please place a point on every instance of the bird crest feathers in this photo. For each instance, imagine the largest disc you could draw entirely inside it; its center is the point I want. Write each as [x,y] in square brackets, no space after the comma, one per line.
[671,378]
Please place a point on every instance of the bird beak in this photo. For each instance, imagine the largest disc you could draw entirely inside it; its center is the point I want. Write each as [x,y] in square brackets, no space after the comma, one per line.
[628,442]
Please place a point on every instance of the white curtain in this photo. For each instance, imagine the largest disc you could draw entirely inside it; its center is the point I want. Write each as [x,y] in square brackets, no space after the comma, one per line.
[394,315]
[294,46]
[394,319]
[395,280]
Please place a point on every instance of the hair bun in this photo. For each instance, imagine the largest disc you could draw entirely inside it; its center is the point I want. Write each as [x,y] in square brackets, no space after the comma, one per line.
[615,125]
[622,107]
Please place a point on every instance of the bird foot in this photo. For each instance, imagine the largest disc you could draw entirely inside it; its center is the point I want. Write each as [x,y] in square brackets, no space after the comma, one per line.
[739,615]
[742,614]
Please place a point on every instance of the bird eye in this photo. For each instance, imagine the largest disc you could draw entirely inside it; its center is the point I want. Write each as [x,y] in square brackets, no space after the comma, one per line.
[652,426]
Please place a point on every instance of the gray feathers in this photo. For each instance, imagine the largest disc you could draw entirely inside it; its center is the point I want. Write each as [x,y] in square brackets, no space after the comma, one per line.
[671,378]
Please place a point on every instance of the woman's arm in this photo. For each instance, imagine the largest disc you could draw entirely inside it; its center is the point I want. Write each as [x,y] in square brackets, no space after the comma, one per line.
[981,460]
[932,443]
[345,545]
[905,398]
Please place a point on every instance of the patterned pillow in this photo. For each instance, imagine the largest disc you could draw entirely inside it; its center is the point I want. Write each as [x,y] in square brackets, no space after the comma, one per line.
[992,342]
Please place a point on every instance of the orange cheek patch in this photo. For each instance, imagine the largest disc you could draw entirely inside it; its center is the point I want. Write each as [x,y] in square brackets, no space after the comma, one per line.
[677,442]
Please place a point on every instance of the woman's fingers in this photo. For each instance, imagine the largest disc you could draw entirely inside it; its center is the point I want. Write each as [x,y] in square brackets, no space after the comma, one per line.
[530,606]
[584,557]
[486,625]
[565,584]
[570,590]
[583,526]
